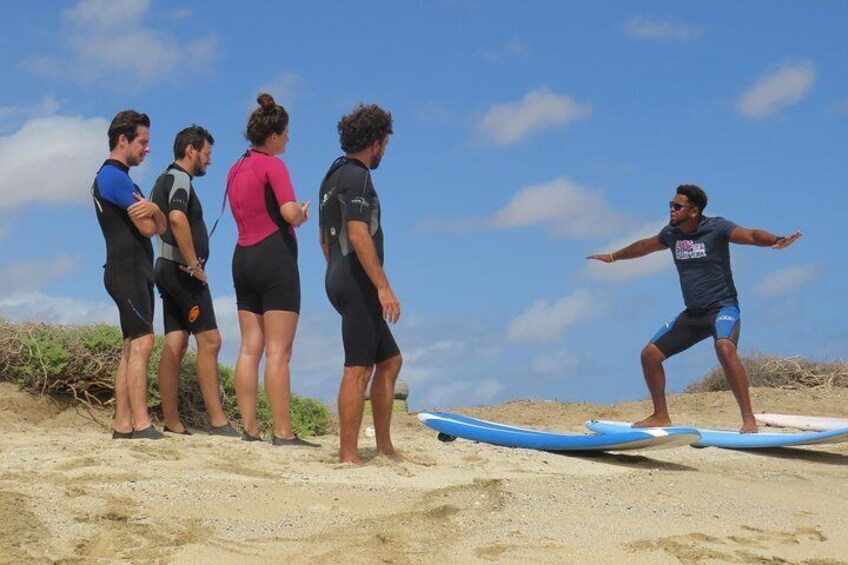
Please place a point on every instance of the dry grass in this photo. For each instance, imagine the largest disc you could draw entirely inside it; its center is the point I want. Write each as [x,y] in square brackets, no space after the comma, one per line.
[773,371]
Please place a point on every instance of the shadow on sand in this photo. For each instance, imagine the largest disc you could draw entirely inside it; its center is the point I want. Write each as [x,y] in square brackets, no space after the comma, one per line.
[800,454]
[624,460]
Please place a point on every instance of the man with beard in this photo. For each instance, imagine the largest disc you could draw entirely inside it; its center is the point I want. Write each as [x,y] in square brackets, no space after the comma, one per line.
[128,221]
[701,252]
[182,283]
[352,241]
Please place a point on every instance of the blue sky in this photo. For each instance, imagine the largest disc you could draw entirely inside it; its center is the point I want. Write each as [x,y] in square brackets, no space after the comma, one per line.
[526,137]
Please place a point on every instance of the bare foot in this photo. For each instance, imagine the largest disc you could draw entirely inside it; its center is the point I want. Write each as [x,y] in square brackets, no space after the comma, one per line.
[749,426]
[393,455]
[356,461]
[653,421]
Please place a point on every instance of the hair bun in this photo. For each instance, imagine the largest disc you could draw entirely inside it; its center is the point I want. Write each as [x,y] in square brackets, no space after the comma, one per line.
[266,101]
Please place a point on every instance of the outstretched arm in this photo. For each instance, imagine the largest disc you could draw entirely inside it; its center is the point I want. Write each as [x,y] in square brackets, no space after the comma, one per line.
[634,250]
[762,238]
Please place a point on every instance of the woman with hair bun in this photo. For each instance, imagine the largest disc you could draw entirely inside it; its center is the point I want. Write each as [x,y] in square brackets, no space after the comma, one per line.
[265,274]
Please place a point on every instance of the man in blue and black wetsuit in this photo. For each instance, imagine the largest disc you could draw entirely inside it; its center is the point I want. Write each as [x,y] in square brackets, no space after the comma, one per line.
[128,221]
[701,252]
[357,286]
[186,300]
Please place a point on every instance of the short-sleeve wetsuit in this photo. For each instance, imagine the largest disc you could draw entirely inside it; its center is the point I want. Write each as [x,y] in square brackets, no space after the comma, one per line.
[128,272]
[348,195]
[186,301]
[702,259]
[265,273]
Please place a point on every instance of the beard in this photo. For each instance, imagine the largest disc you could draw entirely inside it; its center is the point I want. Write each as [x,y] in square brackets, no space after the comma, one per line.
[674,223]
[199,168]
[375,161]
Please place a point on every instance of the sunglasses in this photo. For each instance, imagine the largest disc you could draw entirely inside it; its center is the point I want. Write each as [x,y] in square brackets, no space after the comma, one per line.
[678,207]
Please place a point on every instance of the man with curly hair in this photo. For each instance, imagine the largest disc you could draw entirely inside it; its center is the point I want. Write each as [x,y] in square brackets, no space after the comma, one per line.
[356,284]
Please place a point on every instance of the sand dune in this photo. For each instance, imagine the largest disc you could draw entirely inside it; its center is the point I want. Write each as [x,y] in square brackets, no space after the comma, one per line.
[70,495]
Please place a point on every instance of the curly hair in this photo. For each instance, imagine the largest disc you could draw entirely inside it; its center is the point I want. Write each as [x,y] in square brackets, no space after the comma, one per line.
[267,119]
[363,126]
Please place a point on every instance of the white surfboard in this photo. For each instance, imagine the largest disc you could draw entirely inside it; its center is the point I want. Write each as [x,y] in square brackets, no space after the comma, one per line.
[799,422]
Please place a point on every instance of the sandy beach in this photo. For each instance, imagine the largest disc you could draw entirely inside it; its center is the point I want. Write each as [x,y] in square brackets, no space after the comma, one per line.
[68,494]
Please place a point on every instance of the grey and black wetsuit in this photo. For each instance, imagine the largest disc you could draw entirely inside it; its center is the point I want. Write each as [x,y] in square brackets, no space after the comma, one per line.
[347,195]
[128,272]
[186,301]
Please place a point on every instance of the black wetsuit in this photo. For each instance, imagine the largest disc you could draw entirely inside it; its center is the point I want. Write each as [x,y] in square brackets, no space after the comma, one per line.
[128,272]
[347,194]
[186,301]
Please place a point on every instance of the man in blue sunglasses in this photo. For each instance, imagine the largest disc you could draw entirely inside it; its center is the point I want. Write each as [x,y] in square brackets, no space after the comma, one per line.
[701,251]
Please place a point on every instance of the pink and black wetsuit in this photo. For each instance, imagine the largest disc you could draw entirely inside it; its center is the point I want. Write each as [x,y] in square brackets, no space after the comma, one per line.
[265,273]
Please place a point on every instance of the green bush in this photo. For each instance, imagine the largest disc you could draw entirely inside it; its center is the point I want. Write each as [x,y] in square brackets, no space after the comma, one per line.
[80,362]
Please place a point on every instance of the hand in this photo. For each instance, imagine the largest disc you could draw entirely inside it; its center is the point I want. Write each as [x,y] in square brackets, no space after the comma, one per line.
[196,271]
[604,257]
[142,208]
[304,210]
[786,241]
[390,304]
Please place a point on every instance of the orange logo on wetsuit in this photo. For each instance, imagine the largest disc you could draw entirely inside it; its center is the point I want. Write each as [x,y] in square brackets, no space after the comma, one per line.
[193,314]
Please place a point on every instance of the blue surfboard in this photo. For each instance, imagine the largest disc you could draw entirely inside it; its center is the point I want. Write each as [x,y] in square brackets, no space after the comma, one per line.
[457,425]
[735,440]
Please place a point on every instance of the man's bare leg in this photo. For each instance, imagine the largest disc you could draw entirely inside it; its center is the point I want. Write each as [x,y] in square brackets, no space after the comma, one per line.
[123,415]
[246,377]
[140,349]
[382,402]
[351,405]
[736,377]
[208,347]
[280,327]
[173,350]
[652,360]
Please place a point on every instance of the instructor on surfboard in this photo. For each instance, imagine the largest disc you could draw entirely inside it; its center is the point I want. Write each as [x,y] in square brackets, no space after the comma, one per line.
[701,251]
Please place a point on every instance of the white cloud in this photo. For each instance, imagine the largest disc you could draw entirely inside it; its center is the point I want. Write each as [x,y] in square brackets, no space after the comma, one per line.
[555,363]
[463,393]
[777,89]
[565,207]
[511,122]
[73,147]
[33,275]
[181,14]
[437,113]
[545,322]
[839,108]
[102,37]
[36,306]
[788,280]
[286,89]
[47,106]
[641,27]
[514,48]
[631,268]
